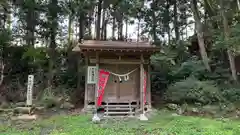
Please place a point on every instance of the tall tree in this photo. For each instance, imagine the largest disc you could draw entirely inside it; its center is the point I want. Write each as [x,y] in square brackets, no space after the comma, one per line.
[167,22]
[176,24]
[154,19]
[4,35]
[28,16]
[52,16]
[200,34]
[31,21]
[99,16]
[113,27]
[71,15]
[231,58]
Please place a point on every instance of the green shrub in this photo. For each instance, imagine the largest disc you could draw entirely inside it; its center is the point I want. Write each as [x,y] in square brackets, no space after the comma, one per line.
[49,99]
[231,94]
[191,91]
[49,102]
[191,67]
[194,67]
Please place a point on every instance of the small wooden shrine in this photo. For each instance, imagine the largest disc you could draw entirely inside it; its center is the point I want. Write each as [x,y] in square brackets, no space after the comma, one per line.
[117,76]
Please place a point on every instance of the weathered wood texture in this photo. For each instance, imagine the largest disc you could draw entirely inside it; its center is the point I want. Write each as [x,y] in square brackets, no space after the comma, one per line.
[96,85]
[116,46]
[119,58]
[149,100]
[86,85]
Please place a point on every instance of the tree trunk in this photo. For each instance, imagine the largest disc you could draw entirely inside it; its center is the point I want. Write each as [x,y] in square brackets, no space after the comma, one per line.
[120,30]
[200,34]
[126,29]
[90,20]
[53,34]
[238,4]
[31,22]
[81,27]
[232,65]
[9,18]
[99,19]
[103,23]
[226,35]
[105,30]
[52,54]
[50,72]
[81,21]
[95,25]
[154,23]
[186,31]
[90,31]
[4,24]
[169,34]
[89,27]
[120,27]
[113,28]
[3,21]
[138,29]
[107,15]
[70,30]
[168,22]
[209,13]
[2,66]
[176,25]
[76,29]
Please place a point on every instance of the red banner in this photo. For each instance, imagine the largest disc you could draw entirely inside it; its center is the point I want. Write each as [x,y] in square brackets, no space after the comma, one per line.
[145,87]
[102,81]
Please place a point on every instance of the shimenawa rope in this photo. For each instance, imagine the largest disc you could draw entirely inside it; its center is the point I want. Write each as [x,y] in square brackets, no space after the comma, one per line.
[126,75]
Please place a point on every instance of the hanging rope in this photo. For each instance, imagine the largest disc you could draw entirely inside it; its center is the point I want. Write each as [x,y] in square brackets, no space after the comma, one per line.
[126,75]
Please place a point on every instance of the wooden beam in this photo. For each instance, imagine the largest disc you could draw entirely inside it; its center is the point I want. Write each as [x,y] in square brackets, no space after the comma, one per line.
[119,61]
[149,86]
[146,55]
[86,85]
[96,84]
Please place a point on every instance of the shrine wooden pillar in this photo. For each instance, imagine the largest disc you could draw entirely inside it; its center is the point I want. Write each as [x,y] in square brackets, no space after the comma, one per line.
[86,85]
[149,86]
[141,84]
[96,84]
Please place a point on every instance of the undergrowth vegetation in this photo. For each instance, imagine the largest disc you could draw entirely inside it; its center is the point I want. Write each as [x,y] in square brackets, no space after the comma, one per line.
[182,73]
[191,91]
[188,83]
[161,123]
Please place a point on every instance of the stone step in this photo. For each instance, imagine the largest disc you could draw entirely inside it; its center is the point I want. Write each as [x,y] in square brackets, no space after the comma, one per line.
[119,108]
[109,113]
[114,116]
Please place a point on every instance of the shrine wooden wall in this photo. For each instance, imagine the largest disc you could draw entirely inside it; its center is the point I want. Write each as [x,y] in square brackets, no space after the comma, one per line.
[123,64]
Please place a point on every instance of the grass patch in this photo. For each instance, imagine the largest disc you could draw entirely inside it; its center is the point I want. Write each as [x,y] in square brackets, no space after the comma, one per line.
[162,123]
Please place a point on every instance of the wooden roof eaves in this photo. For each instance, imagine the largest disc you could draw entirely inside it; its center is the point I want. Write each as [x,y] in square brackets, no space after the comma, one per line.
[120,50]
[82,48]
[149,48]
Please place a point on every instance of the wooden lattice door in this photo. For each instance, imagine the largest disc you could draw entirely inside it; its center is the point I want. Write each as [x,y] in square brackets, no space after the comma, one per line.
[110,93]
[128,89]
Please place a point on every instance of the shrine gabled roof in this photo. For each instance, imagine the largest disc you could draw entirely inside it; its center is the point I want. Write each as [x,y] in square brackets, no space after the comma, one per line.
[94,45]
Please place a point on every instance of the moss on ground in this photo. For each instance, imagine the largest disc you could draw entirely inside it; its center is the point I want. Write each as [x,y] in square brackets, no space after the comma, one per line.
[162,123]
